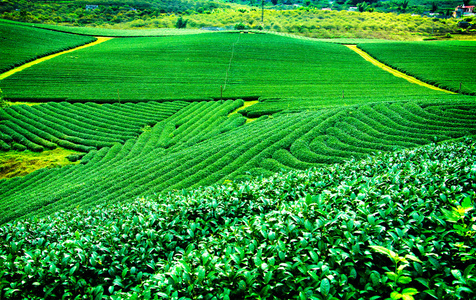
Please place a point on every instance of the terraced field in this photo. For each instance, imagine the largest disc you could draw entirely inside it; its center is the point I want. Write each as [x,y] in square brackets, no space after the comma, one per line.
[76,126]
[199,145]
[325,105]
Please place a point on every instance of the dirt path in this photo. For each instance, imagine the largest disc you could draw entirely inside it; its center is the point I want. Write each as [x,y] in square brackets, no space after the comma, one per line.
[39,60]
[411,79]
[247,104]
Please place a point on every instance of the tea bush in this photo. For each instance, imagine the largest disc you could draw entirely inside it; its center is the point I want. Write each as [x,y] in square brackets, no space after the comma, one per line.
[398,223]
[205,66]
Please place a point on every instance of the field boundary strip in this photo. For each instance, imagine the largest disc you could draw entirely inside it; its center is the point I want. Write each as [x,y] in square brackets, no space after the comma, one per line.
[42,59]
[394,72]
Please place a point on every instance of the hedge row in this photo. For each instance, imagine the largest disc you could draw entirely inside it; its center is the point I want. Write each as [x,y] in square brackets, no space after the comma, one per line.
[455,60]
[197,66]
[22,44]
[80,127]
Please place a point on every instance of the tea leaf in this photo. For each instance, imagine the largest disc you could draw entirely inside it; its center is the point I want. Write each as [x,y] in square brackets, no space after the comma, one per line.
[325,286]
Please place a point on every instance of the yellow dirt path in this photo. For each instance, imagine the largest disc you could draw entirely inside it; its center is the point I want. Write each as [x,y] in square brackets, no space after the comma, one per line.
[247,104]
[39,60]
[411,79]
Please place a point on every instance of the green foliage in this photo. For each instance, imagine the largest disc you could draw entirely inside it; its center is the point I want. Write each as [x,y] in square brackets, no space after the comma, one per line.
[102,12]
[181,23]
[459,216]
[399,276]
[363,6]
[456,60]
[296,235]
[239,26]
[3,102]
[309,21]
[199,145]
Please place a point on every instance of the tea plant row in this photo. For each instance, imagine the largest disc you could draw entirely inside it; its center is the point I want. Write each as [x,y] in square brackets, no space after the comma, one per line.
[366,129]
[455,61]
[81,127]
[126,169]
[200,145]
[401,223]
[22,44]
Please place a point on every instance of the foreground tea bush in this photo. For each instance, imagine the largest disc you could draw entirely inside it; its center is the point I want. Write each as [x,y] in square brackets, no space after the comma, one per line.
[397,224]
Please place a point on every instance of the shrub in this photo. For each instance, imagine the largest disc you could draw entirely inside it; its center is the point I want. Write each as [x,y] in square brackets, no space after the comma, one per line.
[240,26]
[3,102]
[181,23]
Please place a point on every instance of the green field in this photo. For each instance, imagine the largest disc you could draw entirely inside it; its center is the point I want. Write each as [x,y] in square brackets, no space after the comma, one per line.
[317,175]
[456,62]
[297,235]
[21,44]
[194,67]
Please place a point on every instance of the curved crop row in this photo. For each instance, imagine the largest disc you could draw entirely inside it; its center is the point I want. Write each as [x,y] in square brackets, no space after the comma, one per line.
[156,162]
[366,129]
[80,127]
[324,233]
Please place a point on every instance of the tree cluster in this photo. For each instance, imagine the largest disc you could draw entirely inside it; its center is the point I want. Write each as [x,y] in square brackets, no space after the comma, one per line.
[99,12]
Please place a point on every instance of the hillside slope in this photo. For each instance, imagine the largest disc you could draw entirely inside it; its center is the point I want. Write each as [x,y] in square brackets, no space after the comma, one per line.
[344,231]
[200,145]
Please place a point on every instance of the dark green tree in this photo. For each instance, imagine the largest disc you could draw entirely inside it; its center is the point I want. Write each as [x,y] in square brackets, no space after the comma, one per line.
[274,2]
[404,4]
[181,23]
[466,2]
[363,6]
[434,7]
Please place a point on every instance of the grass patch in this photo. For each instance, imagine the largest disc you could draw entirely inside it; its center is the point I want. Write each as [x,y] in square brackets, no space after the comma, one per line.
[15,163]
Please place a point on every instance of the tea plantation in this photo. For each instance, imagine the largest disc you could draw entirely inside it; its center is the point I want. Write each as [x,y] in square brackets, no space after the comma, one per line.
[206,66]
[455,59]
[21,44]
[338,181]
[390,224]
